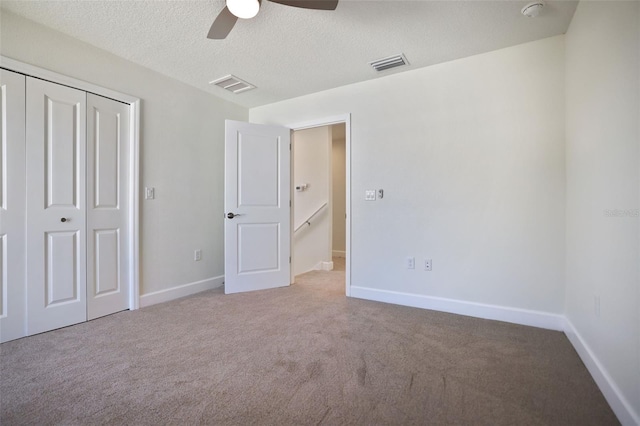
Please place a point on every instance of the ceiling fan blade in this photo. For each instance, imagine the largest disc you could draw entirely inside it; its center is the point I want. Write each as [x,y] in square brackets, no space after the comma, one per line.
[310,4]
[223,24]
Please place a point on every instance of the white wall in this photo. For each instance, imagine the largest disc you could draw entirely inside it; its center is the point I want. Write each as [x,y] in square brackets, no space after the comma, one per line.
[311,165]
[339,189]
[603,151]
[470,154]
[182,151]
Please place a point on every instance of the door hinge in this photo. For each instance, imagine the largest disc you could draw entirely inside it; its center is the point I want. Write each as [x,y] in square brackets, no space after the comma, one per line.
[289,147]
[289,203]
[289,259]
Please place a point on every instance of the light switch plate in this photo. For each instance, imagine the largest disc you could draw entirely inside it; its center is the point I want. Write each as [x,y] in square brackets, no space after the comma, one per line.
[370,195]
[149,193]
[411,263]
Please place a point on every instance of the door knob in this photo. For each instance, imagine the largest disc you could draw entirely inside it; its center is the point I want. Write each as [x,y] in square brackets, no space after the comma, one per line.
[232,215]
[64,219]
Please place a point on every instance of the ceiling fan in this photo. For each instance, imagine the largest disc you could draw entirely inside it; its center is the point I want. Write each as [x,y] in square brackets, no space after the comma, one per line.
[247,9]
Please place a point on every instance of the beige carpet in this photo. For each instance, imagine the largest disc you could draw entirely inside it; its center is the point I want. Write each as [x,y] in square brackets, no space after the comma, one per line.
[300,355]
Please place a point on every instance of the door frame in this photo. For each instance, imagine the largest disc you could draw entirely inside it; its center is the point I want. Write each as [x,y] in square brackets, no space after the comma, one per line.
[320,122]
[134,159]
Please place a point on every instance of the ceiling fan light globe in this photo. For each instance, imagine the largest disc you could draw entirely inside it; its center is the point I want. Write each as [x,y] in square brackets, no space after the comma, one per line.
[244,9]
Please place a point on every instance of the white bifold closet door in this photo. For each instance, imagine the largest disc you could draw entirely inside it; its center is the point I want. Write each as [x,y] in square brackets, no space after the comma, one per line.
[78,233]
[12,205]
[56,206]
[108,222]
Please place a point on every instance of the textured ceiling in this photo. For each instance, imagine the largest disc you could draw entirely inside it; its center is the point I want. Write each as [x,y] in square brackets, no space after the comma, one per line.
[288,52]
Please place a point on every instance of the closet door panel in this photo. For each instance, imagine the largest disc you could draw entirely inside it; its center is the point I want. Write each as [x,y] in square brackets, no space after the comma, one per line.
[12,206]
[109,241]
[56,205]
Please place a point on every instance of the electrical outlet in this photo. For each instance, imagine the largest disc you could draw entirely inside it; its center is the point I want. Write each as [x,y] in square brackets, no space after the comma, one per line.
[370,195]
[197,255]
[427,264]
[411,263]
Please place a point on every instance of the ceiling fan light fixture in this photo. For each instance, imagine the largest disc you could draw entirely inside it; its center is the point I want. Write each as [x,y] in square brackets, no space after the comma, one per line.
[247,9]
[244,9]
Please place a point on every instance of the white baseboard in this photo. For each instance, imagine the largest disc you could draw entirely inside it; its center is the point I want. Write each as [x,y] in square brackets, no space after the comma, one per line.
[324,266]
[180,291]
[478,310]
[611,392]
[338,253]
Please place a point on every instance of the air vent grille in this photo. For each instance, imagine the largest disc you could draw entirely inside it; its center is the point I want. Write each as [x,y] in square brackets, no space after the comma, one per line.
[389,62]
[232,84]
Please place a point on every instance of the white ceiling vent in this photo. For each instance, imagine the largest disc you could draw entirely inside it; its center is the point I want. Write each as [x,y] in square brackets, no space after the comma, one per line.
[233,84]
[389,62]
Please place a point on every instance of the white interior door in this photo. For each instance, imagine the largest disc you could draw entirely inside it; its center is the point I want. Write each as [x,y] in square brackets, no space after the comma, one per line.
[257,206]
[56,205]
[12,206]
[108,230]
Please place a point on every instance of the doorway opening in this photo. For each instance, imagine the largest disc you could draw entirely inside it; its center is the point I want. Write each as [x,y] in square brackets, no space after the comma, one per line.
[320,198]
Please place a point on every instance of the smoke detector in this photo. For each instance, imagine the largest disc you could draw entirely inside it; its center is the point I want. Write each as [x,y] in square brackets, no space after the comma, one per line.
[532,10]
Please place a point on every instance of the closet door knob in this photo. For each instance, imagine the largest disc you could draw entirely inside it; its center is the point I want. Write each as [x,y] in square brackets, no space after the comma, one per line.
[64,219]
